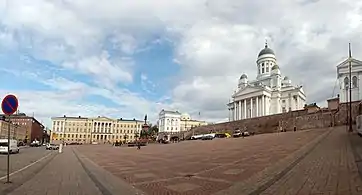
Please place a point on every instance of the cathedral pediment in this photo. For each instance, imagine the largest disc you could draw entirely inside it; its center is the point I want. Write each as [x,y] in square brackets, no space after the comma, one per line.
[249,89]
[345,63]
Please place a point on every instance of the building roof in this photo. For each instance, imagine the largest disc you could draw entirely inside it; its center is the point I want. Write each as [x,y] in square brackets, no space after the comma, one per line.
[170,112]
[275,67]
[243,76]
[92,118]
[22,115]
[266,50]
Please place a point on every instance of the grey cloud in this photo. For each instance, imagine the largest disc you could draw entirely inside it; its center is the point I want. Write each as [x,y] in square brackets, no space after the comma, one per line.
[309,40]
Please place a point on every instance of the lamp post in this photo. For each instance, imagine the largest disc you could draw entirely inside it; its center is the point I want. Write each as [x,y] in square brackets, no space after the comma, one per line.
[137,133]
[350,88]
[347,108]
[91,132]
[62,139]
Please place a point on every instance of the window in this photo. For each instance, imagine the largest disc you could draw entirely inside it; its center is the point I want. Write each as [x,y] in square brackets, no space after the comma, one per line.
[354,82]
[346,83]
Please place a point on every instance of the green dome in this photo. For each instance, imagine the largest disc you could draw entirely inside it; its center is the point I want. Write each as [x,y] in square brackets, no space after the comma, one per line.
[275,67]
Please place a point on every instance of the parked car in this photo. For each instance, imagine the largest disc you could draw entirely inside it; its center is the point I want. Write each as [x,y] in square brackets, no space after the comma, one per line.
[52,147]
[237,133]
[35,143]
[13,146]
[207,137]
[132,144]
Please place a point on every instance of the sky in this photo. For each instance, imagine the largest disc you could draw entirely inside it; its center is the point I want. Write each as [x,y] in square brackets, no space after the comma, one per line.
[125,59]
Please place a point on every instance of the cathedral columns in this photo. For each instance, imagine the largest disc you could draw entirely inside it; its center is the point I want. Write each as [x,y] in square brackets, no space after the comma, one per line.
[251,107]
[257,106]
[245,114]
[239,110]
[262,105]
[235,112]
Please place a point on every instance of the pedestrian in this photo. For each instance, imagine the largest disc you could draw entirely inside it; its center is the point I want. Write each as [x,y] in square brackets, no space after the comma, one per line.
[138,145]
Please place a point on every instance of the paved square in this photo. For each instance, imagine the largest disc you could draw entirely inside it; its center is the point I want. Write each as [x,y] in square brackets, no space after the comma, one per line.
[197,167]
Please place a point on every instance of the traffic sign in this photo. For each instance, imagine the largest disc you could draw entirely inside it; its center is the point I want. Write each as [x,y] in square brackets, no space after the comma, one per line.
[10,104]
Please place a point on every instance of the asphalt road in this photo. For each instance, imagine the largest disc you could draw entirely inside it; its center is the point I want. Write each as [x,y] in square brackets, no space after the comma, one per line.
[25,157]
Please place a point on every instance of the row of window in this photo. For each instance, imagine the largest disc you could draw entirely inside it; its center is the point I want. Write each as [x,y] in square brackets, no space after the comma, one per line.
[265,67]
[87,136]
[80,130]
[354,82]
[96,124]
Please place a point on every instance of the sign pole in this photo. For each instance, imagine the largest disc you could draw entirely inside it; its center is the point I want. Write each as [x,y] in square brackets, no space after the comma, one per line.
[8,165]
[9,106]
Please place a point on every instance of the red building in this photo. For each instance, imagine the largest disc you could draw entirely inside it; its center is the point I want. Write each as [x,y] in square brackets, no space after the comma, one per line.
[34,129]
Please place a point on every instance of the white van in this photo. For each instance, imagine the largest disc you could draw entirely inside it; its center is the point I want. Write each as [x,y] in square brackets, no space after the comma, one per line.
[13,146]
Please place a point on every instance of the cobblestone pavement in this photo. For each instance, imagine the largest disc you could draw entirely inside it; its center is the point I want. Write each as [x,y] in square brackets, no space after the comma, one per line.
[329,169]
[207,167]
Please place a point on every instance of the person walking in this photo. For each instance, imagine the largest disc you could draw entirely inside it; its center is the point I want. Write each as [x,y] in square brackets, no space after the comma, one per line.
[138,145]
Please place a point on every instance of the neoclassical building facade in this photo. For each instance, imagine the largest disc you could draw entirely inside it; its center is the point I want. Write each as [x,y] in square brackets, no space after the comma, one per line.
[343,78]
[97,129]
[270,93]
[175,122]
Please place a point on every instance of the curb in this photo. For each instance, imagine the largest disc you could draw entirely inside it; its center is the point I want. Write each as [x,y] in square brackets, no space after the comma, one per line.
[106,182]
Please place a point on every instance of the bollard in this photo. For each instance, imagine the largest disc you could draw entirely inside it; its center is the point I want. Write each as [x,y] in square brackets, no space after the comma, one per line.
[60,148]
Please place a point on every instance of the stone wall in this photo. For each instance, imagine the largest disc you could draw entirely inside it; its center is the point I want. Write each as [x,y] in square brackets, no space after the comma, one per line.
[301,119]
[258,125]
[341,116]
[309,121]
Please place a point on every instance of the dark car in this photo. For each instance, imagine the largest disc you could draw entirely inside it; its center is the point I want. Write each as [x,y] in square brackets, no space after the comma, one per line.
[208,137]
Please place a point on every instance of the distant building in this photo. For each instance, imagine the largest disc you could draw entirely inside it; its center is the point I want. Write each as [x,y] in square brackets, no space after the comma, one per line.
[33,128]
[270,93]
[17,132]
[312,108]
[343,78]
[175,122]
[99,129]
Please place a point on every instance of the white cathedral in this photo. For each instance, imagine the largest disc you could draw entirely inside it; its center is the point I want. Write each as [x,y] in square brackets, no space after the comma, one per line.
[270,93]
[343,77]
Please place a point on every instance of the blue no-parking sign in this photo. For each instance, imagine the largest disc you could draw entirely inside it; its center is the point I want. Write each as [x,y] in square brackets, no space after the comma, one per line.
[10,104]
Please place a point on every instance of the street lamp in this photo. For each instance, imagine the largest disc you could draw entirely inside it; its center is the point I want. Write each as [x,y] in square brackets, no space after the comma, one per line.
[91,132]
[350,88]
[62,137]
[137,130]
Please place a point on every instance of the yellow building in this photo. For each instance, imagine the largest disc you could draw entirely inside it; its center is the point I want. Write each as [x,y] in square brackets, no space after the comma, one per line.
[186,123]
[90,130]
[17,132]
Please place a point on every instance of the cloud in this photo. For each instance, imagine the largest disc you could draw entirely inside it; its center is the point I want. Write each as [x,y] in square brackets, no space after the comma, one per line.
[107,72]
[215,52]
[214,42]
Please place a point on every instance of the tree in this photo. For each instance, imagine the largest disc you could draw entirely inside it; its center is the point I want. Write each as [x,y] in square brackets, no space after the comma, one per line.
[154,129]
[144,133]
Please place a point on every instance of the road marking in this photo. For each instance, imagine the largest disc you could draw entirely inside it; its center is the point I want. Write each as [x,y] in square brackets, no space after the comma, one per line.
[27,166]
